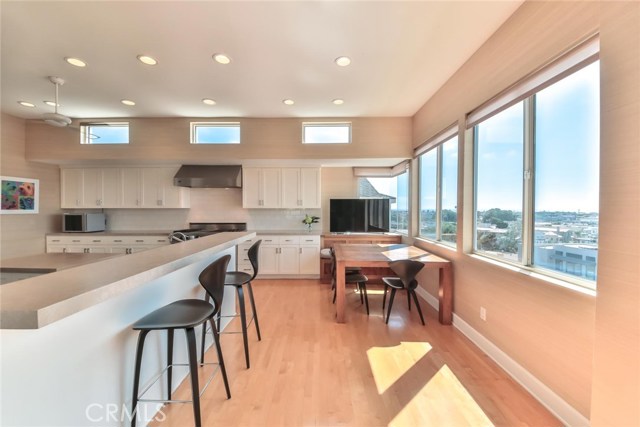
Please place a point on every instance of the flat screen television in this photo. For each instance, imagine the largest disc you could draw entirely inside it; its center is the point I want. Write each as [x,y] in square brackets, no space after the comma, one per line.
[359,215]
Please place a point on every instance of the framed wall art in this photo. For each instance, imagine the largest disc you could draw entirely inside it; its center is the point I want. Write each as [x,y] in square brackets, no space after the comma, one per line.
[19,195]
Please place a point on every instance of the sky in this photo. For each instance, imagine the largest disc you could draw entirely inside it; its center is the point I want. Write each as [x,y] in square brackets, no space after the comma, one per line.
[566,151]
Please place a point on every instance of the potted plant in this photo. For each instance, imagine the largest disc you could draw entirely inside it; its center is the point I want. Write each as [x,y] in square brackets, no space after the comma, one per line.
[309,220]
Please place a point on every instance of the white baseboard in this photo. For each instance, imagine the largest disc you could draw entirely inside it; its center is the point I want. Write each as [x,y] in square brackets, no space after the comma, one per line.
[547,397]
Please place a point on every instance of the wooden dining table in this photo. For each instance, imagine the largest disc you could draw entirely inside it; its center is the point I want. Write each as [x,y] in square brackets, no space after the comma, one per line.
[379,255]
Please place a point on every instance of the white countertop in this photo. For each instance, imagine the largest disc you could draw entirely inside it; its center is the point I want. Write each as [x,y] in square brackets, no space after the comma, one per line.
[36,302]
[51,261]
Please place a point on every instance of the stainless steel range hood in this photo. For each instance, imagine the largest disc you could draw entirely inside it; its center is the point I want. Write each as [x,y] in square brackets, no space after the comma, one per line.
[199,176]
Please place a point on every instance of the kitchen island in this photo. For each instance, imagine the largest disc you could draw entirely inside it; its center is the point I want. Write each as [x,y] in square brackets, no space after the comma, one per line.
[67,345]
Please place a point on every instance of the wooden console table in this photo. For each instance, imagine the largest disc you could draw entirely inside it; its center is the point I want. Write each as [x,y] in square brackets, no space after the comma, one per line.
[372,255]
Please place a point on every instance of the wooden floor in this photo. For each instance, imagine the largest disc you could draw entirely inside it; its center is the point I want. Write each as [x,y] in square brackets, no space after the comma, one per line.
[310,371]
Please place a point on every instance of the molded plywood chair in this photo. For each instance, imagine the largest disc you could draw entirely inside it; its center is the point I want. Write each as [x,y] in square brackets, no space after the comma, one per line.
[184,314]
[407,271]
[352,275]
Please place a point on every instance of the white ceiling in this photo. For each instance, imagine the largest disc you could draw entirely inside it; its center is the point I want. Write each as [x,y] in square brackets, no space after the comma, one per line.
[401,52]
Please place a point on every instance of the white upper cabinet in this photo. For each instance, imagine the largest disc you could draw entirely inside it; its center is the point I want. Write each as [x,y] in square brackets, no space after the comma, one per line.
[71,189]
[122,188]
[261,187]
[130,188]
[158,190]
[288,188]
[310,188]
[291,188]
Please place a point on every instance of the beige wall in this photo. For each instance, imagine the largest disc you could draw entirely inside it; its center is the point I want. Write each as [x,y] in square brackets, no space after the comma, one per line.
[24,234]
[547,329]
[167,140]
[616,370]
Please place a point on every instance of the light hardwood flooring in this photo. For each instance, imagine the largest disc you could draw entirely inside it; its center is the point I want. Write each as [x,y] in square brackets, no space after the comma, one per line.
[310,371]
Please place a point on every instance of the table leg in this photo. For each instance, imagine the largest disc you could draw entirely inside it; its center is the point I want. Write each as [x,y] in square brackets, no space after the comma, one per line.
[445,295]
[340,291]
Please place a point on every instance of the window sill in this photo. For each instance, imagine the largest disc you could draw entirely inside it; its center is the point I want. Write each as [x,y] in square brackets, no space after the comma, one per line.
[527,271]
[436,243]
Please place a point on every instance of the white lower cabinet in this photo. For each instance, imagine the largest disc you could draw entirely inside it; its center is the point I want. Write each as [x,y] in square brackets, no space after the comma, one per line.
[283,255]
[127,244]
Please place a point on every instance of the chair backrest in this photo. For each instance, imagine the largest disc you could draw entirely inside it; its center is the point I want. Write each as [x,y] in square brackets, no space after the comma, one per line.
[333,263]
[212,280]
[253,257]
[406,270]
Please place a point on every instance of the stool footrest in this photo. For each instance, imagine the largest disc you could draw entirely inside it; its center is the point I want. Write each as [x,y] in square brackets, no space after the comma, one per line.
[159,375]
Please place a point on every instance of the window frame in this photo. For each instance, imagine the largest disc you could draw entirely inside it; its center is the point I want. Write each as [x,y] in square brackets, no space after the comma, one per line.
[393,172]
[528,195]
[208,124]
[348,125]
[448,135]
[85,132]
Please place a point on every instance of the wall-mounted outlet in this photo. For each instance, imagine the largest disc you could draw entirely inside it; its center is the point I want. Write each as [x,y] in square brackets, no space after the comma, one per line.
[483,313]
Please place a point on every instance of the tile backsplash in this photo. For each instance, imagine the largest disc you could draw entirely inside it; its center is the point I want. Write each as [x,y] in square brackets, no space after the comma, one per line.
[209,205]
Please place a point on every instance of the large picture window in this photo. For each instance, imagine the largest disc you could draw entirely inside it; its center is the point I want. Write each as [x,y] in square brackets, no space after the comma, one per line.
[537,179]
[439,192]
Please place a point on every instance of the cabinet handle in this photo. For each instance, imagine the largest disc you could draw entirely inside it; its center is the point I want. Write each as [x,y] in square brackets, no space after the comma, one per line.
[159,202]
[300,250]
[139,241]
[64,250]
[77,202]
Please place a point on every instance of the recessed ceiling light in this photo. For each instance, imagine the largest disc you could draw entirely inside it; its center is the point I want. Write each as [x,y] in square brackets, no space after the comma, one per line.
[288,101]
[338,101]
[221,58]
[127,102]
[147,60]
[209,101]
[76,62]
[343,61]
[26,104]
[51,103]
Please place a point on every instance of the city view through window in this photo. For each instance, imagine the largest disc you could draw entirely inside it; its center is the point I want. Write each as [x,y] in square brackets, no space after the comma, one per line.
[565,178]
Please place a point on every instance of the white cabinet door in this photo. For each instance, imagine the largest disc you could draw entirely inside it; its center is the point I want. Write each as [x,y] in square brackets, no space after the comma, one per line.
[291,188]
[271,187]
[288,260]
[309,259]
[111,197]
[268,260]
[151,188]
[310,188]
[71,194]
[92,188]
[130,187]
[171,195]
[251,183]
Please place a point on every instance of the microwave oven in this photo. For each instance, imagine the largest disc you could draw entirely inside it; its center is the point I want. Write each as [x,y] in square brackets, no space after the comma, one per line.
[83,222]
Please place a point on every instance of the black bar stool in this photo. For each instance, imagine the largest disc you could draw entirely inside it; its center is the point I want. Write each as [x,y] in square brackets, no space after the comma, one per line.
[238,279]
[184,314]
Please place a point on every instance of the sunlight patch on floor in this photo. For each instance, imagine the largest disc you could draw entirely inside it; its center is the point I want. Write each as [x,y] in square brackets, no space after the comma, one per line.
[443,396]
[388,364]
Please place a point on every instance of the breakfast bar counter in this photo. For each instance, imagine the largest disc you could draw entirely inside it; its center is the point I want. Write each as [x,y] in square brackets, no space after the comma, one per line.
[39,301]
[68,348]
